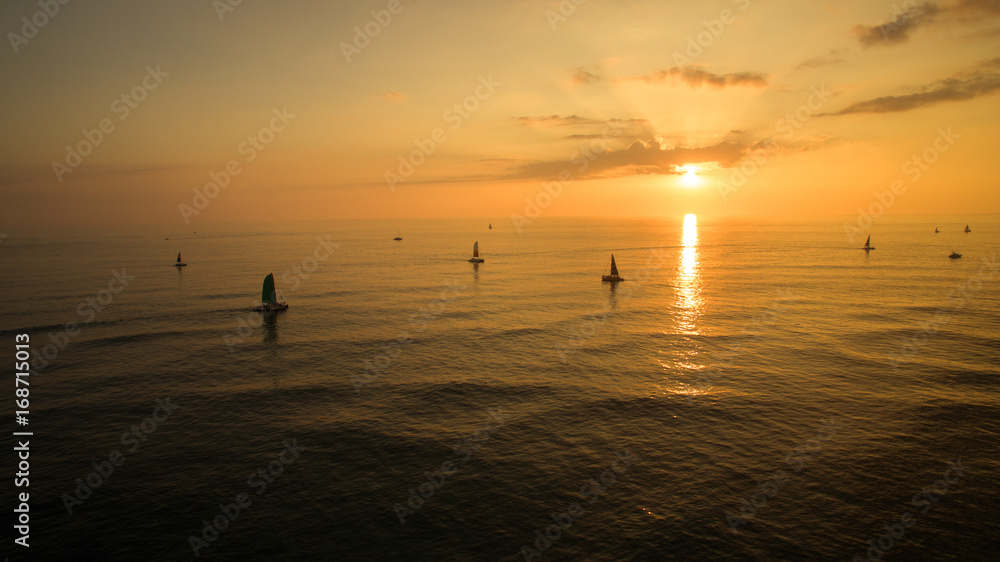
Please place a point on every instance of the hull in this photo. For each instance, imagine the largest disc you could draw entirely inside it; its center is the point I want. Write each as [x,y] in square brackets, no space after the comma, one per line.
[476,260]
[268,307]
[180,265]
[611,278]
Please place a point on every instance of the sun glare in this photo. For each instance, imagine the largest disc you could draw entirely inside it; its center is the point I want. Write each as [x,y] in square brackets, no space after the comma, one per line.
[689,177]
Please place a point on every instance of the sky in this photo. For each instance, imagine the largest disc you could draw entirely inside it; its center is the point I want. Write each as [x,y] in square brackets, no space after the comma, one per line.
[201,112]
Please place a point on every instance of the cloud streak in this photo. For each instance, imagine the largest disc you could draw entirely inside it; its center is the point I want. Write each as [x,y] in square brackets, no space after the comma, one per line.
[899,29]
[696,76]
[924,14]
[642,157]
[985,79]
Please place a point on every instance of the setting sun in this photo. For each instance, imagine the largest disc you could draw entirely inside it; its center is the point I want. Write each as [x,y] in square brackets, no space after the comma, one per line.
[690,177]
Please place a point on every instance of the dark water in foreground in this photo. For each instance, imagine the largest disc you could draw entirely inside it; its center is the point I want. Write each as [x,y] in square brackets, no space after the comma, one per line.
[733,351]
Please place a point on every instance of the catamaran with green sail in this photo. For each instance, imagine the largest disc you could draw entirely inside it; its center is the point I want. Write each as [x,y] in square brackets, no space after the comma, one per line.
[269,297]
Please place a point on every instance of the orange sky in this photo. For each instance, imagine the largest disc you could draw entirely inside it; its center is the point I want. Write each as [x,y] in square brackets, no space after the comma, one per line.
[324,110]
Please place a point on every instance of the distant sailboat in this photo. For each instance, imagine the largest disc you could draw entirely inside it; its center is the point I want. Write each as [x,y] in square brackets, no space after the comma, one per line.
[398,236]
[967,229]
[475,254]
[955,255]
[269,297]
[179,262]
[614,277]
[868,244]
[491,226]
[936,230]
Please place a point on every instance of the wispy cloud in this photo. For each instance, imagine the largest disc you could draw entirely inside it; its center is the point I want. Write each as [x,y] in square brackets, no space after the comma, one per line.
[696,76]
[589,128]
[584,76]
[393,97]
[833,57]
[556,120]
[982,80]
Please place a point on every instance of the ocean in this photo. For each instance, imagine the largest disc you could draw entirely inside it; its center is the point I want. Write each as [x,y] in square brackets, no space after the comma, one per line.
[754,390]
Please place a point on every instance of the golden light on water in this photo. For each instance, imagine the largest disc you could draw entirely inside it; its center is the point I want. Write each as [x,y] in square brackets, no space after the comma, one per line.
[687,314]
[688,277]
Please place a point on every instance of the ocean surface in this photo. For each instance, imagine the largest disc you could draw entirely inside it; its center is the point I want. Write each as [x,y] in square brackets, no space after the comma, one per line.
[754,390]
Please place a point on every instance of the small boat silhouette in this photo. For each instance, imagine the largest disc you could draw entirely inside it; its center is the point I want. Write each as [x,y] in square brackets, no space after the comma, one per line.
[475,254]
[614,277]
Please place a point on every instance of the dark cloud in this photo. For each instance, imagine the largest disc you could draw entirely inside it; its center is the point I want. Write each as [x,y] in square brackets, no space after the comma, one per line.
[982,80]
[584,76]
[696,76]
[897,30]
[556,120]
[916,15]
[978,6]
[642,157]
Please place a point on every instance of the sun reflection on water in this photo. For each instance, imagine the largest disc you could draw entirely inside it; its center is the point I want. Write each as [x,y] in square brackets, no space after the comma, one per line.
[688,278]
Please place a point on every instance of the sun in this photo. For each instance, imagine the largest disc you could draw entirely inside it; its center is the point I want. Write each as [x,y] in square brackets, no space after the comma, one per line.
[689,175]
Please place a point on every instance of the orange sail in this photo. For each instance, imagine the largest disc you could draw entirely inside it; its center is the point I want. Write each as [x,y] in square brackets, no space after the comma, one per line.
[475,250]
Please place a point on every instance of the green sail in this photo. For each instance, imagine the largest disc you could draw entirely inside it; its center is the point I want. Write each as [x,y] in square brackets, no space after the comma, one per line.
[268,294]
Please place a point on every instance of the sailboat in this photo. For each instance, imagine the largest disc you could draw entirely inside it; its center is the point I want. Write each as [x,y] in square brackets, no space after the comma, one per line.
[868,244]
[967,229]
[936,230]
[179,262]
[614,277]
[269,297]
[955,255]
[475,254]
[491,226]
[398,237]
